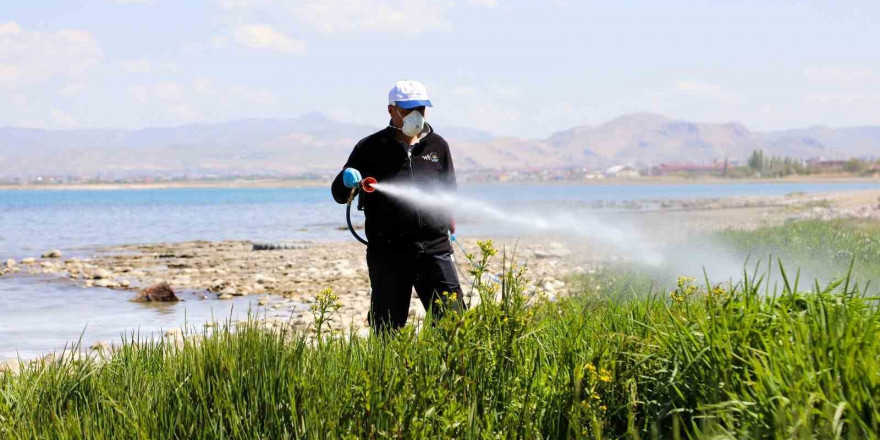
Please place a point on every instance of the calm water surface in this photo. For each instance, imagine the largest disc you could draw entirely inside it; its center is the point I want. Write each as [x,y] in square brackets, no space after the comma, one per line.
[40,314]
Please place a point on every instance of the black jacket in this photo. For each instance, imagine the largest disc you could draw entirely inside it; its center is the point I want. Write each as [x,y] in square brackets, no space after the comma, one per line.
[391,224]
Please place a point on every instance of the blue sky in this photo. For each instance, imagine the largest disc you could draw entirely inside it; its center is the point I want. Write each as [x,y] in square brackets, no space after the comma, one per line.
[510,67]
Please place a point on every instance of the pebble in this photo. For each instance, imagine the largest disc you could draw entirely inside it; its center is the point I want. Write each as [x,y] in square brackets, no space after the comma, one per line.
[28,260]
[225,296]
[101,274]
[219,285]
[10,263]
[263,279]
[55,253]
[104,282]
[263,301]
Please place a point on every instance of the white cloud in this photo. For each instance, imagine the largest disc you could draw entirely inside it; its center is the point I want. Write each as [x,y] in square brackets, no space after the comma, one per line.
[147,2]
[707,91]
[72,89]
[485,3]
[28,57]
[261,36]
[838,74]
[204,86]
[137,66]
[168,91]
[251,95]
[380,16]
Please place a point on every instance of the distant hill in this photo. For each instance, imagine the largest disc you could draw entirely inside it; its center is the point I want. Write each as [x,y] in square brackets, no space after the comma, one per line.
[648,139]
[313,143]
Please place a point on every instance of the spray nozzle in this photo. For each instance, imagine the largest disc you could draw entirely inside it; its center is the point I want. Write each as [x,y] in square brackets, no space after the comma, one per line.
[367,184]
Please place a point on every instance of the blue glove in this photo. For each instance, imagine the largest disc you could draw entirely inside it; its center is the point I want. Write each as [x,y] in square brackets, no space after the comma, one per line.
[351,177]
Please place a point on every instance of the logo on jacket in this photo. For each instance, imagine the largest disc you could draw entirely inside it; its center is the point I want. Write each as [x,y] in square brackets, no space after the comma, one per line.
[432,157]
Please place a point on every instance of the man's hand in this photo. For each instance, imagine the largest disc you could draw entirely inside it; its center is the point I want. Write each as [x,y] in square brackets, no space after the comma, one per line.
[351,177]
[452,226]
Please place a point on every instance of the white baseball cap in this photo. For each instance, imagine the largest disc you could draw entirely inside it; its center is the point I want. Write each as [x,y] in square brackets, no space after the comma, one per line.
[409,94]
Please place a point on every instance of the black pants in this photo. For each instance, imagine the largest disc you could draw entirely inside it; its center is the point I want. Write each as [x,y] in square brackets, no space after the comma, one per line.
[393,276]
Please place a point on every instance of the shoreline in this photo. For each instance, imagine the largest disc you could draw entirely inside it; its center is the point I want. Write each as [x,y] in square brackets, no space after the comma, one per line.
[297,183]
[285,281]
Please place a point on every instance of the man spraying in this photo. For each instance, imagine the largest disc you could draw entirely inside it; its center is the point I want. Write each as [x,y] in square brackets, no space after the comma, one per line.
[408,247]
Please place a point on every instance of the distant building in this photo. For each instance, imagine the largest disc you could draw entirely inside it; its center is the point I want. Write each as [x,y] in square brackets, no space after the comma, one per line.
[622,171]
[826,165]
[665,169]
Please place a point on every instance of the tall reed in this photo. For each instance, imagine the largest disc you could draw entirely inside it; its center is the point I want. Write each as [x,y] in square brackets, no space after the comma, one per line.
[700,360]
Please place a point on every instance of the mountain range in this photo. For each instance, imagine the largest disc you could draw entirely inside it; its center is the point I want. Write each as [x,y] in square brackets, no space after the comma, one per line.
[315,144]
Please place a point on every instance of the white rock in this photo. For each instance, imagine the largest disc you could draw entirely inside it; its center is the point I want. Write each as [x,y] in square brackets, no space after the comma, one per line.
[52,254]
[104,282]
[10,263]
[101,274]
[28,260]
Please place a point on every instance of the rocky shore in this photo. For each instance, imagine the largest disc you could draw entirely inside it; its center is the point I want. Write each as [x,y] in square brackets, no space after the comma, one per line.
[286,277]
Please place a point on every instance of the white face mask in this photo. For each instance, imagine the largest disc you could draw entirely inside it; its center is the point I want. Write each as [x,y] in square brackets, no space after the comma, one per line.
[413,123]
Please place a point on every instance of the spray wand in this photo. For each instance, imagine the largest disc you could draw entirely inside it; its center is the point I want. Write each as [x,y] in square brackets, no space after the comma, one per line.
[366,186]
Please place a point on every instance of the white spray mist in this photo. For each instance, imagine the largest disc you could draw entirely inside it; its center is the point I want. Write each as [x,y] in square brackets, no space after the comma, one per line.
[663,257]
[623,239]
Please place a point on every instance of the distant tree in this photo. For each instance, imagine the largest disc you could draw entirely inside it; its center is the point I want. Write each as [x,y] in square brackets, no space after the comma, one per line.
[756,160]
[855,166]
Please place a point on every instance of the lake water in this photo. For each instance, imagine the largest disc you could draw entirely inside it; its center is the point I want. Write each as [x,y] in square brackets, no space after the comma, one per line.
[40,314]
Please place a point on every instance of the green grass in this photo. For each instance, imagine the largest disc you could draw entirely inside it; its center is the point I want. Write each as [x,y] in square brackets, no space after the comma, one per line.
[825,247]
[706,361]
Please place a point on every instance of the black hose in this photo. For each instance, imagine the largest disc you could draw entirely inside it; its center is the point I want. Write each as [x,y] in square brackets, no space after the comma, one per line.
[354,192]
